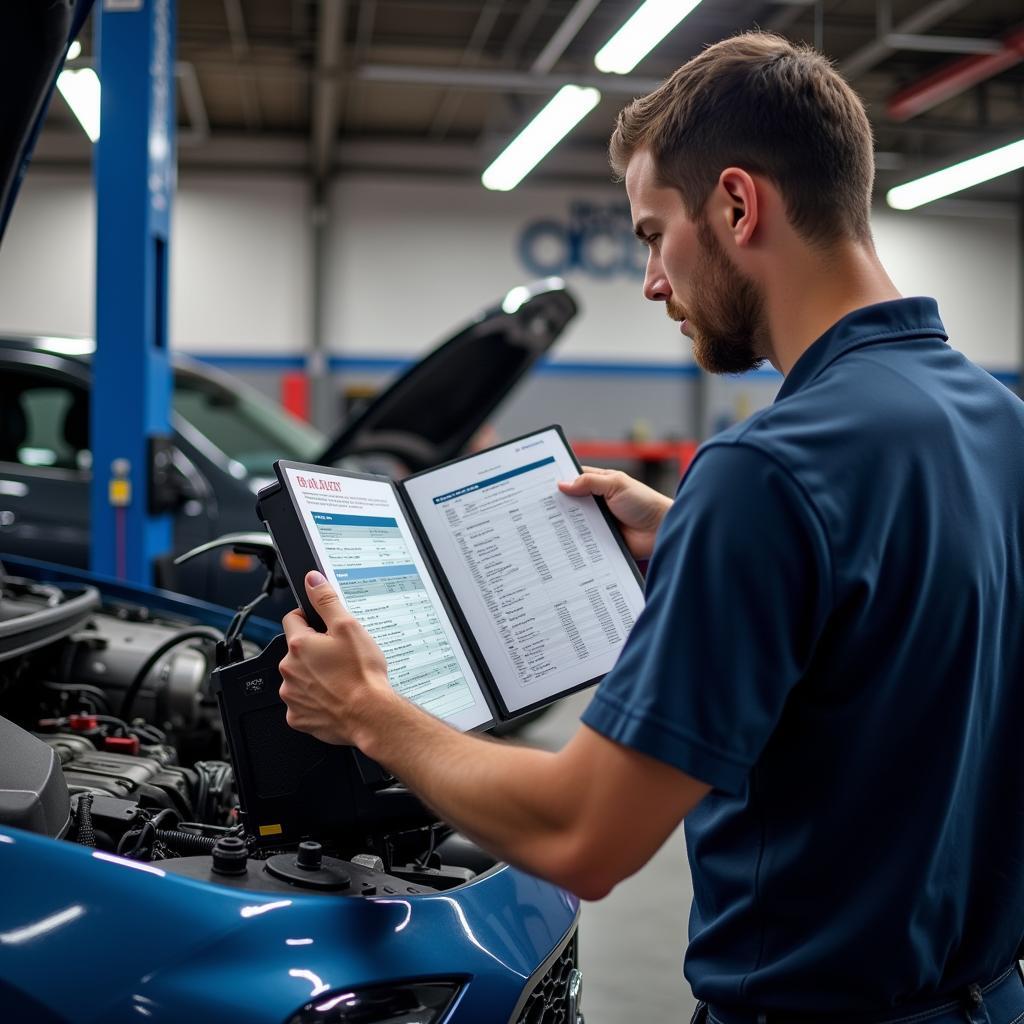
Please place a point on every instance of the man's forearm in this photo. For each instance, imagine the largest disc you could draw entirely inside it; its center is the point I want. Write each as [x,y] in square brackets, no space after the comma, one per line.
[561,816]
[507,798]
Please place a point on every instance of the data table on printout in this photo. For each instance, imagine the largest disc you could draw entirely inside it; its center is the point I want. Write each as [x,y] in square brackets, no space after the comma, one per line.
[384,591]
[551,593]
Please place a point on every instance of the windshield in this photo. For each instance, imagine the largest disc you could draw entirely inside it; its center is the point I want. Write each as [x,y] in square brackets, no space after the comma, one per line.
[243,424]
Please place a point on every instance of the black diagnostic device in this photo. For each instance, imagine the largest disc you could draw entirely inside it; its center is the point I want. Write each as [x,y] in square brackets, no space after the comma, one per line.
[292,786]
[277,513]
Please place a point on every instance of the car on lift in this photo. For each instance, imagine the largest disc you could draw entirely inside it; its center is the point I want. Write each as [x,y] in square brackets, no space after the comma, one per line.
[227,435]
[133,887]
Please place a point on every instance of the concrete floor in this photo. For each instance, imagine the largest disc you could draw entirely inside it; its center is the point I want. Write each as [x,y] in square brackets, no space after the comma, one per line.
[631,942]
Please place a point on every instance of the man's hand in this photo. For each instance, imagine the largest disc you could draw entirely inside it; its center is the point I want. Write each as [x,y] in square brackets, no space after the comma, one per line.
[334,682]
[638,508]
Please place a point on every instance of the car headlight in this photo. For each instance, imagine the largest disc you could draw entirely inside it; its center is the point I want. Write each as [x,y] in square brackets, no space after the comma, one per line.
[422,1002]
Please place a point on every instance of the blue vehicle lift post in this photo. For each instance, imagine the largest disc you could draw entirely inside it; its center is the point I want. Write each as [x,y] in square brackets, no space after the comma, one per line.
[131,393]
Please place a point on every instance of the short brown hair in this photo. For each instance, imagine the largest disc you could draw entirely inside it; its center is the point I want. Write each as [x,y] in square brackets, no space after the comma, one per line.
[759,102]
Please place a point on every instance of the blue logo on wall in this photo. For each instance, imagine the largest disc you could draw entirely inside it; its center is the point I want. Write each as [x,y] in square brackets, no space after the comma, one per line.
[597,240]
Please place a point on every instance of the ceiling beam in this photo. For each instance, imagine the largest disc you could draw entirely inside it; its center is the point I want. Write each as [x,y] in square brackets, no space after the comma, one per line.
[450,102]
[515,41]
[240,48]
[880,48]
[324,120]
[943,44]
[956,78]
[502,81]
[583,162]
[242,154]
[198,130]
[354,99]
[563,36]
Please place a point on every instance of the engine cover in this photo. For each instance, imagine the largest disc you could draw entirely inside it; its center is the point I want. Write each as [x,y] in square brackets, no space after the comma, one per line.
[144,780]
[33,793]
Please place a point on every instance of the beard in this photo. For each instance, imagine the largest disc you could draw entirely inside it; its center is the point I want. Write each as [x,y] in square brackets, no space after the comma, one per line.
[730,331]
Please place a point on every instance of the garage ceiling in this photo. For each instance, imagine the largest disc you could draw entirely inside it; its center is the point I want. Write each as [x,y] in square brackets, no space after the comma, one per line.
[439,86]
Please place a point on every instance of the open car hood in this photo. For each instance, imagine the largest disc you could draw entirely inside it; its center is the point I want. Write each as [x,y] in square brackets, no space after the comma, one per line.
[34,39]
[429,414]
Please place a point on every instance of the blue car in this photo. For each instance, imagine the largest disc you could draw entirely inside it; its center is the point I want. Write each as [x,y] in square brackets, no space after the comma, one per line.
[131,885]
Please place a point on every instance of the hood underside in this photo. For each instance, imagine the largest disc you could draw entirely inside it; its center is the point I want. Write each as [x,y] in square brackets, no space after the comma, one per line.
[430,413]
[34,39]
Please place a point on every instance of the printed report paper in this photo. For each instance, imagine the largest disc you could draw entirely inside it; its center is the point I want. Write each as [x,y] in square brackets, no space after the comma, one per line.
[539,576]
[361,536]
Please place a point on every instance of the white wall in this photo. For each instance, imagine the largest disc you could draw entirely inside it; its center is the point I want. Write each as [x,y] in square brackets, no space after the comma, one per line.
[48,258]
[409,261]
[973,266]
[240,263]
[241,266]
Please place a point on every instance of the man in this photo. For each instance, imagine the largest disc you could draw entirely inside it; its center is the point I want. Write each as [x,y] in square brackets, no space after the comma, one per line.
[828,678]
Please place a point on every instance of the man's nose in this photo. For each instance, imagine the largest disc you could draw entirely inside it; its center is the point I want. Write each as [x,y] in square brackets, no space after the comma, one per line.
[656,287]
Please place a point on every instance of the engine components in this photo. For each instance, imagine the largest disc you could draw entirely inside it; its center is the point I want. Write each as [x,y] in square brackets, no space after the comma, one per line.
[109,654]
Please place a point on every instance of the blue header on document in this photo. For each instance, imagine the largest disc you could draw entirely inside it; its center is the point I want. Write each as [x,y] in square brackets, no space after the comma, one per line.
[374,572]
[492,480]
[334,519]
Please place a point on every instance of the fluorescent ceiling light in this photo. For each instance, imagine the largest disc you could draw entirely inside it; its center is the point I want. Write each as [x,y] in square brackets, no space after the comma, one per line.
[563,112]
[74,51]
[650,23]
[957,178]
[81,90]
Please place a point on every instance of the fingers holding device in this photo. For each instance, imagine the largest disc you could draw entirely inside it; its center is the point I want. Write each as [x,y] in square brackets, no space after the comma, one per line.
[639,509]
[332,680]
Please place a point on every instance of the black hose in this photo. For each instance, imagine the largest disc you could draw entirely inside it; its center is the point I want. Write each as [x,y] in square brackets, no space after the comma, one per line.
[86,834]
[202,789]
[162,816]
[96,696]
[186,842]
[214,779]
[148,734]
[241,617]
[122,726]
[138,834]
[192,633]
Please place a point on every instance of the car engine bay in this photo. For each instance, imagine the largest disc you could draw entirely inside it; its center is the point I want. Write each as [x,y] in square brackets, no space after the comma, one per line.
[112,737]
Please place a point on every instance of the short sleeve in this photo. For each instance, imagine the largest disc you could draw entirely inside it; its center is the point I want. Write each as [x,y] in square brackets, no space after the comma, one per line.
[738,590]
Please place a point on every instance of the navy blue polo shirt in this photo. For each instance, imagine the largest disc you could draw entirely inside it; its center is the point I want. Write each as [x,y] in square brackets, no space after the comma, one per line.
[834,641]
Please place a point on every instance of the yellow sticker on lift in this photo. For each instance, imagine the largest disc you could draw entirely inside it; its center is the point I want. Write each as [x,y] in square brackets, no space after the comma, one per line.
[270,830]
[119,493]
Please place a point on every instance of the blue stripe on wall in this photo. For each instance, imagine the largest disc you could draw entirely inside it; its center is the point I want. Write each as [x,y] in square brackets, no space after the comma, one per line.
[235,362]
[389,364]
[560,367]
[369,364]
[546,367]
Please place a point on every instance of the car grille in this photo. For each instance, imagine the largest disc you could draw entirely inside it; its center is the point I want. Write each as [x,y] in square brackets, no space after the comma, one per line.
[548,1001]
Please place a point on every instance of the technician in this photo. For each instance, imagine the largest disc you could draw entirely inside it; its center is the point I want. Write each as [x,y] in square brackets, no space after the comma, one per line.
[828,679]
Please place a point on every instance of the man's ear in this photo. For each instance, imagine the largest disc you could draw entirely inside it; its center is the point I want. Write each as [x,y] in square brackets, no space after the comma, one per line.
[737,200]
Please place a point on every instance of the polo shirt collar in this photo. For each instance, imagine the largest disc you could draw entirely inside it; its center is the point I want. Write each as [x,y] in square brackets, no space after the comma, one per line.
[884,321]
